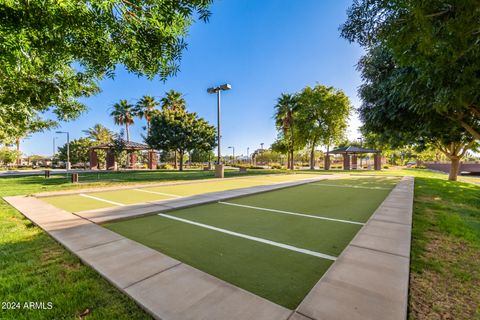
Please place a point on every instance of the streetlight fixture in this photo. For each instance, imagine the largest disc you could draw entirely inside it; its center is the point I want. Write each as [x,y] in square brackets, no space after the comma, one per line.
[219,165]
[68,147]
[233,149]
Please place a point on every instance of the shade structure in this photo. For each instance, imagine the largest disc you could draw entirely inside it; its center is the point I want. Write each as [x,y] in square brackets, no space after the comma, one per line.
[353,151]
[127,146]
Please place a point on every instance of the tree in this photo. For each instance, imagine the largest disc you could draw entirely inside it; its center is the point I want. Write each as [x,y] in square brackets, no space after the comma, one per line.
[439,40]
[199,155]
[8,155]
[182,131]
[99,133]
[322,117]
[146,108]
[123,114]
[393,121]
[173,100]
[285,113]
[55,52]
[78,151]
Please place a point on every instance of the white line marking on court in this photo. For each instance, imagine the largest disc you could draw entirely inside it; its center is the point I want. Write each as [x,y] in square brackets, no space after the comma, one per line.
[160,193]
[292,213]
[241,235]
[100,199]
[349,186]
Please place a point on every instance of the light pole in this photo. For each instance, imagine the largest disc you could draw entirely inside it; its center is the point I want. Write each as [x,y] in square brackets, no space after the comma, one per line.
[233,149]
[68,148]
[248,157]
[219,165]
[54,150]
[262,146]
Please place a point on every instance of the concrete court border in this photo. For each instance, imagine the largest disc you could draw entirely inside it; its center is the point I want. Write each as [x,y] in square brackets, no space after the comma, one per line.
[368,281]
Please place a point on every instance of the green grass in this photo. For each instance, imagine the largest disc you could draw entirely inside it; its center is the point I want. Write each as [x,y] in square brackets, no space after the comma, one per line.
[33,267]
[277,274]
[445,256]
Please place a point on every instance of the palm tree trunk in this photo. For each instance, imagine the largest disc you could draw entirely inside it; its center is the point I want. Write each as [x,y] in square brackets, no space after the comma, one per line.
[148,125]
[293,145]
[126,132]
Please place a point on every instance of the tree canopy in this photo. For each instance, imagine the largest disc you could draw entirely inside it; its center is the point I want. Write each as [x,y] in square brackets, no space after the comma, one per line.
[123,113]
[387,113]
[78,150]
[99,133]
[54,52]
[181,131]
[439,40]
[322,117]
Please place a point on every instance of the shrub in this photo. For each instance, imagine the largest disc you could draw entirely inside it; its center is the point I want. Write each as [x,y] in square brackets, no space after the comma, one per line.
[386,167]
[165,166]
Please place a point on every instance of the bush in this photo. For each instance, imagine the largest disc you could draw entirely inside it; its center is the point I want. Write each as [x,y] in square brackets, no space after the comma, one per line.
[277,166]
[386,167]
[248,166]
[165,166]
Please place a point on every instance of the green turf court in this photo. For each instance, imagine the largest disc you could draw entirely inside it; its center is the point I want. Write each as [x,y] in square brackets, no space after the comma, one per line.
[106,199]
[275,244]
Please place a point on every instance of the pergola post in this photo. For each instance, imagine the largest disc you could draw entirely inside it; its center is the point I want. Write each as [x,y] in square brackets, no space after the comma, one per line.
[327,162]
[133,159]
[354,162]
[152,160]
[111,164]
[346,161]
[377,161]
[93,159]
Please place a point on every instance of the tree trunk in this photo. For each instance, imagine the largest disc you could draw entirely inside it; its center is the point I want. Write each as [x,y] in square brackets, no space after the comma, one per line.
[454,168]
[19,158]
[292,163]
[312,158]
[181,160]
[175,159]
[126,132]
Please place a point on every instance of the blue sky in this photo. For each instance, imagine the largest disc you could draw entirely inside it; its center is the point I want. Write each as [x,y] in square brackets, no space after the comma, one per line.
[262,48]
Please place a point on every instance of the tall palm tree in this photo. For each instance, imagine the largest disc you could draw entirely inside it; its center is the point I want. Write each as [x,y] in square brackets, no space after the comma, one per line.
[173,100]
[287,105]
[99,133]
[123,114]
[145,108]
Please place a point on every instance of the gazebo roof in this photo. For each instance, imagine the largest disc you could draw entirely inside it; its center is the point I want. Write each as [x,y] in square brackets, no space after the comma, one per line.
[129,145]
[353,149]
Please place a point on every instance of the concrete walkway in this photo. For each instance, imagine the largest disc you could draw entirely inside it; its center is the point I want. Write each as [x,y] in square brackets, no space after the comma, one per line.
[368,281]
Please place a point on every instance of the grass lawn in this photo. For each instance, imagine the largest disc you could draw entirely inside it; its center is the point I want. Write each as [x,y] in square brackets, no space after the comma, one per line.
[445,268]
